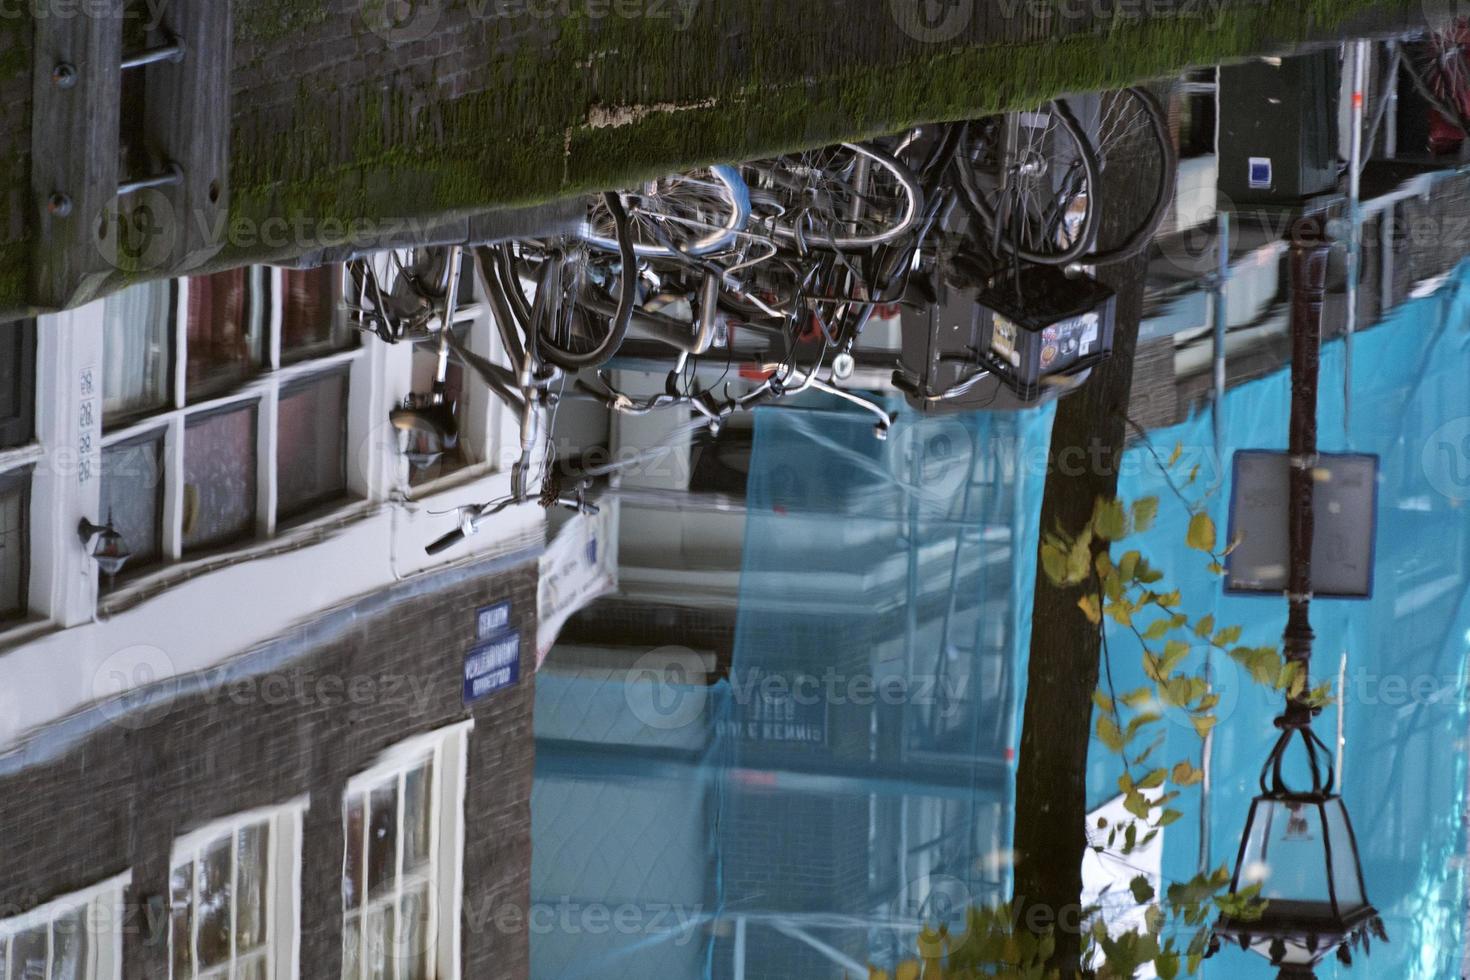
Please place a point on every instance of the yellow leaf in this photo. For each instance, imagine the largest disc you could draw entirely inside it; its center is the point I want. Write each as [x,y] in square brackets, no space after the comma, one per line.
[1185,774]
[1205,626]
[1129,565]
[1201,535]
[1090,608]
[1177,454]
[1109,521]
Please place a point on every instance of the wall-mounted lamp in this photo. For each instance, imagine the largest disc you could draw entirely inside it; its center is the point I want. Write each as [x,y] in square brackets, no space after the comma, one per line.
[110,550]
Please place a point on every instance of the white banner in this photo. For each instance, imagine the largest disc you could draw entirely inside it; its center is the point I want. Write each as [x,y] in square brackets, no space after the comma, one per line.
[579,565]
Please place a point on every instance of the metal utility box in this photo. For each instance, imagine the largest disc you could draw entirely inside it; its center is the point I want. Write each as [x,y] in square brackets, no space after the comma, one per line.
[1036,338]
[1278,129]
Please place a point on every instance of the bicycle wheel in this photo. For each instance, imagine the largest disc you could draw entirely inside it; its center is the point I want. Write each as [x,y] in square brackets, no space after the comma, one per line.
[1439,68]
[1030,178]
[573,283]
[689,214]
[845,197]
[1133,145]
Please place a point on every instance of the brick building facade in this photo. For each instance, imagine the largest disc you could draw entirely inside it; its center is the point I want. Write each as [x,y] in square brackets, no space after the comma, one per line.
[295,720]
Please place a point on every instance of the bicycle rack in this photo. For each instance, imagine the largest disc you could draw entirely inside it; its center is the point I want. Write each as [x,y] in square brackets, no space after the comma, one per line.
[94,224]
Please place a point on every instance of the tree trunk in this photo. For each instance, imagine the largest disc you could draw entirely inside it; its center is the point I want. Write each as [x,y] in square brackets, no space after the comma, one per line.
[1051,779]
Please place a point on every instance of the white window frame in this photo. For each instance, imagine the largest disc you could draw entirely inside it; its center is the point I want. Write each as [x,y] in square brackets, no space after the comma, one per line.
[283,885]
[105,915]
[263,391]
[447,748]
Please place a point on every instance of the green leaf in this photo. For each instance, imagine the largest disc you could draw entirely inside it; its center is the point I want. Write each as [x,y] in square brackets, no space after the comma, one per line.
[1201,536]
[1204,627]
[1143,892]
[1156,629]
[1153,780]
[1139,696]
[1109,522]
[1129,566]
[1168,817]
[1054,563]
[1177,454]
[1079,559]
[1103,702]
[1145,511]
[1227,636]
[1203,724]
[1174,651]
[1137,804]
[1109,733]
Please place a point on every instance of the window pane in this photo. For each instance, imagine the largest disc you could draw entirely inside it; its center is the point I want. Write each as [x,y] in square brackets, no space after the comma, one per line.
[14,543]
[17,383]
[219,478]
[181,919]
[214,905]
[416,812]
[69,946]
[383,839]
[28,955]
[225,330]
[309,321]
[352,861]
[251,969]
[380,943]
[351,953]
[413,952]
[312,452]
[132,497]
[250,885]
[138,326]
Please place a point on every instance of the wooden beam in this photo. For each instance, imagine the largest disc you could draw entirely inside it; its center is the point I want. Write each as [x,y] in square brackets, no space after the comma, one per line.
[74,153]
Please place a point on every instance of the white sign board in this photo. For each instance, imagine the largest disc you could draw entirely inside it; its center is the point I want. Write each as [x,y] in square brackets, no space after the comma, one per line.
[1345,519]
[579,565]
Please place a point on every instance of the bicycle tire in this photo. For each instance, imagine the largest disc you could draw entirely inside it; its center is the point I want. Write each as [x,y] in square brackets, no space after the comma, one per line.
[735,194]
[974,198]
[549,346]
[903,179]
[1142,236]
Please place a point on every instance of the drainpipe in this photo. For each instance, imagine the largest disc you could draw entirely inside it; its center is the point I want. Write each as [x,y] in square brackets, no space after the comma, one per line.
[1360,51]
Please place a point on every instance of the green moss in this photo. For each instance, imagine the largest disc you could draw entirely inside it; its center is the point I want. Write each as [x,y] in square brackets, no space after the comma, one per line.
[746,78]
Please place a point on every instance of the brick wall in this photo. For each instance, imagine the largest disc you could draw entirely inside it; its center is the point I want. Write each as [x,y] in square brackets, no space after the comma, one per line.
[118,799]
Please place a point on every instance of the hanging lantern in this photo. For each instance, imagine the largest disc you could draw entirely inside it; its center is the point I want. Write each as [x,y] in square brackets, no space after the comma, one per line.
[1300,848]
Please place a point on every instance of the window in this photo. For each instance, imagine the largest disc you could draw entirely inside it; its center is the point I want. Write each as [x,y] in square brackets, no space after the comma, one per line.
[226,329]
[310,322]
[72,938]
[138,326]
[132,496]
[17,383]
[15,507]
[232,898]
[404,832]
[219,477]
[311,454]
[444,461]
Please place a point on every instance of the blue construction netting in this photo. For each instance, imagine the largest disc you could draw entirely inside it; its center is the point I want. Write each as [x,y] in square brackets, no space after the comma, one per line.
[853,775]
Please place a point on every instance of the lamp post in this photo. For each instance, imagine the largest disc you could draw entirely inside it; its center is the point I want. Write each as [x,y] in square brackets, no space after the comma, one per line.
[1298,844]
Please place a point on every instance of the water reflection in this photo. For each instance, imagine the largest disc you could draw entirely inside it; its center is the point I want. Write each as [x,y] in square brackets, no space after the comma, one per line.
[281,696]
